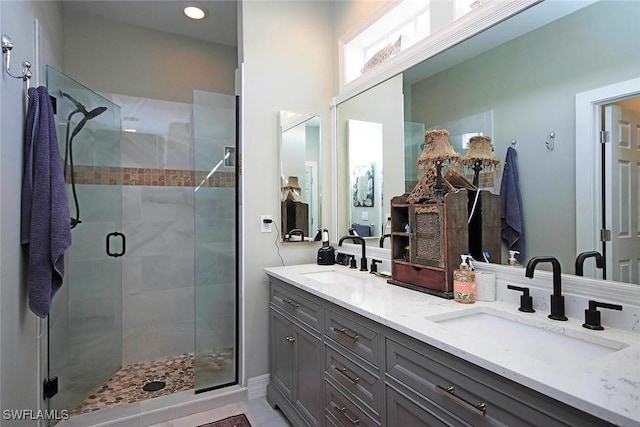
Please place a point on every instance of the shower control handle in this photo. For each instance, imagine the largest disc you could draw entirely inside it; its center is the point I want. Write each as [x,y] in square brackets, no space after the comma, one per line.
[124,244]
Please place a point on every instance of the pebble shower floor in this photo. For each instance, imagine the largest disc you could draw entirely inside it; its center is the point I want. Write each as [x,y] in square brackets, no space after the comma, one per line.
[125,385]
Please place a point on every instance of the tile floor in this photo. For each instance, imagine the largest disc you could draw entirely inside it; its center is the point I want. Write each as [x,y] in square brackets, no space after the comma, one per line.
[177,372]
[258,411]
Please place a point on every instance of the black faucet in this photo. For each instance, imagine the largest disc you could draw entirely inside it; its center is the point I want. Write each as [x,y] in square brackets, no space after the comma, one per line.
[384,236]
[583,256]
[557,300]
[358,239]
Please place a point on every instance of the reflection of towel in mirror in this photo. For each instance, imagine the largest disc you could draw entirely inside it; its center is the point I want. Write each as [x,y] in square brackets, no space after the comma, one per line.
[511,209]
[46,227]
[362,230]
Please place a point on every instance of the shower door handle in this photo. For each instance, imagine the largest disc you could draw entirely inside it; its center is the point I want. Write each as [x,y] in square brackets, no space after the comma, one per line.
[124,244]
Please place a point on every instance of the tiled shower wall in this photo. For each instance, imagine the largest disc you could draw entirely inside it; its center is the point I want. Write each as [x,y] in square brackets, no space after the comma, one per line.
[158,174]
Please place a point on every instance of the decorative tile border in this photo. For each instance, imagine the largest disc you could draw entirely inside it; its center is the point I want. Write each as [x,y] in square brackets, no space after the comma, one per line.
[107,175]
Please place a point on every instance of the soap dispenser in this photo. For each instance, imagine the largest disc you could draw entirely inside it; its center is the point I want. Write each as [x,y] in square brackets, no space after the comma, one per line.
[512,258]
[464,282]
[326,253]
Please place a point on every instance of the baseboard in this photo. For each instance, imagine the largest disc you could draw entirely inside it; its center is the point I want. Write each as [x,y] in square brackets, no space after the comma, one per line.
[257,386]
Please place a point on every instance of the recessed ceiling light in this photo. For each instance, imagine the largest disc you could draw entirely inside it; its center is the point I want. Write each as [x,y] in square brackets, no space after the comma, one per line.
[195,12]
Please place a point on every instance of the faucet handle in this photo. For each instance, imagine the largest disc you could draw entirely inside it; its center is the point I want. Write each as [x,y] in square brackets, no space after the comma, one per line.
[374,265]
[526,300]
[592,315]
[353,264]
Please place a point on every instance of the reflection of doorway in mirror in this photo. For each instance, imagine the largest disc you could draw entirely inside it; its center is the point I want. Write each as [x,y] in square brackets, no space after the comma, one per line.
[593,213]
[620,186]
[365,169]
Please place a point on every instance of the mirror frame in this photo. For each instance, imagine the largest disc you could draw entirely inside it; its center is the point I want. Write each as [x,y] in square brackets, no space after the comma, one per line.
[285,124]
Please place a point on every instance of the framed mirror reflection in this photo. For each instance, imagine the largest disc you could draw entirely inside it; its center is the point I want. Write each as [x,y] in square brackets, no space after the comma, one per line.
[520,83]
[300,193]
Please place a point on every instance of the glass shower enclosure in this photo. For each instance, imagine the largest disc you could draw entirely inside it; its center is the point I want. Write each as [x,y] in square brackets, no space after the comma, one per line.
[150,295]
[84,326]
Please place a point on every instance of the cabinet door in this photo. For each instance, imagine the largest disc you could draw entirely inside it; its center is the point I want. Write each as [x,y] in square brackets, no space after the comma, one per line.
[427,235]
[282,351]
[308,376]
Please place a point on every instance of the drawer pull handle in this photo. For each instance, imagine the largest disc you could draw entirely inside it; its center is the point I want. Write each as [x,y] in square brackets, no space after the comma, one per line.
[344,331]
[343,371]
[290,338]
[478,409]
[292,303]
[343,411]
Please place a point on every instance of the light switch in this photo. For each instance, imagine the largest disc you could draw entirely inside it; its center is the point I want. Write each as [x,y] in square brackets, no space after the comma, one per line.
[365,216]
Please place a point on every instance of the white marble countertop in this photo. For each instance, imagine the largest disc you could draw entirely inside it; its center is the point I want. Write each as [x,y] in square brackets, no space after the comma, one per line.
[607,386]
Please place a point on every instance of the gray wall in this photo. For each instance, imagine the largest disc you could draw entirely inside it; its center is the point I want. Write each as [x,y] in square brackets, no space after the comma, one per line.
[146,63]
[287,66]
[19,376]
[531,83]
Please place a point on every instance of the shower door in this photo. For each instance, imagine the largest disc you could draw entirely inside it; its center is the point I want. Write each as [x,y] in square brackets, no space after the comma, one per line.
[215,240]
[85,324]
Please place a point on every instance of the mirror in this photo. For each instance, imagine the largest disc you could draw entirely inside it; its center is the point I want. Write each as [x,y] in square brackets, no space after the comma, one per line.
[363,133]
[522,77]
[300,193]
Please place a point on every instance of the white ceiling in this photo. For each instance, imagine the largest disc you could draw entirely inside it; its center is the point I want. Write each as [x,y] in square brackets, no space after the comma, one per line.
[166,15]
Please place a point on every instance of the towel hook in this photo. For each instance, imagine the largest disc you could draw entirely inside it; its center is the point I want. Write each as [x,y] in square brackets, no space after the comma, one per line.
[7,45]
[551,141]
[513,143]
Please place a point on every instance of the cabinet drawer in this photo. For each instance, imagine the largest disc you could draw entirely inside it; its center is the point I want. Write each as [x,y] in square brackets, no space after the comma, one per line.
[361,385]
[405,408]
[423,278]
[296,305]
[340,411]
[431,372]
[360,339]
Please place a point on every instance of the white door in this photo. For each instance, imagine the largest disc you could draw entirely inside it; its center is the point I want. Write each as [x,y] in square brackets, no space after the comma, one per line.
[622,157]
[311,195]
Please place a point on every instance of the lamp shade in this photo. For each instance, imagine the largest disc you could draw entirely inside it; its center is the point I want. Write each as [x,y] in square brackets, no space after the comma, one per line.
[480,150]
[292,184]
[437,148]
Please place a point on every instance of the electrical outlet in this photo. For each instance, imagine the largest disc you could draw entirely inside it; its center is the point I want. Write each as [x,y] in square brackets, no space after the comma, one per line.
[265,227]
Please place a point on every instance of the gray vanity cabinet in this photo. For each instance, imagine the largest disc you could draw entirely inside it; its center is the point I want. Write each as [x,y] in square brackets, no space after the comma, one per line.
[295,358]
[427,382]
[331,366]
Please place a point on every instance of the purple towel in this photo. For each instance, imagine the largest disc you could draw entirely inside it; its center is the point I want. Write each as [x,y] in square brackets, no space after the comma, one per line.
[46,227]
[362,230]
[511,209]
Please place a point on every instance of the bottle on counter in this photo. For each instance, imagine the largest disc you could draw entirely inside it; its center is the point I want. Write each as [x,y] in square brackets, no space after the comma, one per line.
[512,258]
[464,283]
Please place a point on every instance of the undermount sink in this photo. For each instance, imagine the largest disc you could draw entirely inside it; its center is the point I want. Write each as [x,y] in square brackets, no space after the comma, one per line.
[535,339]
[330,277]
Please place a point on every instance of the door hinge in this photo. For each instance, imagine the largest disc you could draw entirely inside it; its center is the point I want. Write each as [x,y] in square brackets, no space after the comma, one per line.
[605,235]
[605,137]
[50,387]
